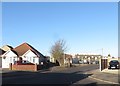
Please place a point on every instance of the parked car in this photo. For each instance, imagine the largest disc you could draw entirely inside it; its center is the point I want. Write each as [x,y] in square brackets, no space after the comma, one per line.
[114,64]
[81,62]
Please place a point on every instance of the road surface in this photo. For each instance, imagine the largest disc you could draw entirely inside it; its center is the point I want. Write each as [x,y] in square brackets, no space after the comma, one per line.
[69,76]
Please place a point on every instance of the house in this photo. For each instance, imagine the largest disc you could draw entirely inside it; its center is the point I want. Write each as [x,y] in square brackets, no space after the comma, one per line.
[52,59]
[47,58]
[88,58]
[65,59]
[8,57]
[4,48]
[23,53]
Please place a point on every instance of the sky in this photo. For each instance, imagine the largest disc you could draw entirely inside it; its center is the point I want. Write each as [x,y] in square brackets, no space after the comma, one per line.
[87,27]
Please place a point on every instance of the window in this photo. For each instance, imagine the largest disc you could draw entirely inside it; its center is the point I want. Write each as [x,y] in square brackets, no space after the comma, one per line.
[13,61]
[33,60]
[24,61]
[30,58]
[4,57]
[92,57]
[27,58]
[10,59]
[96,58]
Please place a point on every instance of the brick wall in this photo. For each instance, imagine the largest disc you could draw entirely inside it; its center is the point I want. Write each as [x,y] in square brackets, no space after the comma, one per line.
[24,67]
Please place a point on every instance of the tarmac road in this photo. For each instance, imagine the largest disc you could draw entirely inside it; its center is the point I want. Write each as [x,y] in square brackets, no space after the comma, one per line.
[69,76]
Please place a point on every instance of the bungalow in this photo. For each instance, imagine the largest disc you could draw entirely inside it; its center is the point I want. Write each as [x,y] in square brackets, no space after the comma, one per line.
[8,57]
[24,53]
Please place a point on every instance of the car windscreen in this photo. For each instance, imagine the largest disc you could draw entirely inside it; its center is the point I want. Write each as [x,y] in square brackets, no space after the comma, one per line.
[114,61]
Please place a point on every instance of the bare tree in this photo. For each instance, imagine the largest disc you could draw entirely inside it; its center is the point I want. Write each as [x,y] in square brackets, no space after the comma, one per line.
[57,51]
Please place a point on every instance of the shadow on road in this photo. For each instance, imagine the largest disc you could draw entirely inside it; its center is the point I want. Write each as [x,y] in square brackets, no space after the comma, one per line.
[25,77]
[92,84]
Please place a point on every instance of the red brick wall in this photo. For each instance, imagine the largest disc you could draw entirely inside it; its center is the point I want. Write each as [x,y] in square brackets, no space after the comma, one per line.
[24,67]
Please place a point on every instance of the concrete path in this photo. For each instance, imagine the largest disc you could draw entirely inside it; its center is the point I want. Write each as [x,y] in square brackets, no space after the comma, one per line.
[105,76]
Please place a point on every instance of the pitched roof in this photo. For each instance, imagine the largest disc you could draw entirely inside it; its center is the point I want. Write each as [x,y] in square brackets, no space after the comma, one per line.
[68,56]
[23,48]
[9,51]
[6,47]
[2,51]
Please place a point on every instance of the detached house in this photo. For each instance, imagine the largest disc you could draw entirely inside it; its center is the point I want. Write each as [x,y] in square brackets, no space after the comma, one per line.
[23,53]
[8,57]
[3,49]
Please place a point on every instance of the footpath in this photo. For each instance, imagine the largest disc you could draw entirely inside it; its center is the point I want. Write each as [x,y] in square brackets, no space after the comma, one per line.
[109,76]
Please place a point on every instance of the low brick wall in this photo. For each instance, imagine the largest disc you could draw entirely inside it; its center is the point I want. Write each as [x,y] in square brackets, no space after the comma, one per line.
[23,67]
